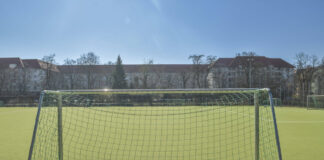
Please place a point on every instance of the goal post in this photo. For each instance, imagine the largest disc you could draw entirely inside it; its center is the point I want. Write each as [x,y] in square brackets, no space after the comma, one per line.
[315,102]
[156,124]
[257,126]
[60,127]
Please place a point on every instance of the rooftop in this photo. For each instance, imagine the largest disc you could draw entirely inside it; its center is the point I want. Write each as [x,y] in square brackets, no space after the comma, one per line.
[260,60]
[16,62]
[130,68]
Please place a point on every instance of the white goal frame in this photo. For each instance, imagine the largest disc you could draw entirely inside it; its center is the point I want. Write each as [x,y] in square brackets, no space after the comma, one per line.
[255,91]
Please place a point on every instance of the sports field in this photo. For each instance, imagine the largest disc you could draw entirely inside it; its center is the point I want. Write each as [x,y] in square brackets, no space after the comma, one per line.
[301,132]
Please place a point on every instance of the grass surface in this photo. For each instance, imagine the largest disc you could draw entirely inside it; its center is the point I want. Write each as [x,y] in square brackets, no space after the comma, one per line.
[145,133]
[16,127]
[301,132]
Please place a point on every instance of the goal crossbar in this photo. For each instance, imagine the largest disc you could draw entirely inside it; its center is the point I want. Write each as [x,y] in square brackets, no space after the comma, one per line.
[157,91]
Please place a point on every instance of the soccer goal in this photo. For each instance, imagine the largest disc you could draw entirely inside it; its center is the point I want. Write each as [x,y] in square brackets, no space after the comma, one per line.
[315,102]
[276,101]
[173,124]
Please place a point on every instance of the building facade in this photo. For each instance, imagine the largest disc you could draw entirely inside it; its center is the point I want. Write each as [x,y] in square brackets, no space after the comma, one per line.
[21,76]
[253,72]
[30,76]
[137,76]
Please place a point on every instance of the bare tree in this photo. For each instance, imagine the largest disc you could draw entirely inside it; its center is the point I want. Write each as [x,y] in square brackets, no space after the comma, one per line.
[145,73]
[25,77]
[136,82]
[108,76]
[249,54]
[110,63]
[314,60]
[49,62]
[247,63]
[169,82]
[69,61]
[108,79]
[70,65]
[306,66]
[211,59]
[89,60]
[3,77]
[185,76]
[158,74]
[198,70]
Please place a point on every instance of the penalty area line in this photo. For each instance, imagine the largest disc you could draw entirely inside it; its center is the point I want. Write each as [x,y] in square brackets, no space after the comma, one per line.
[300,121]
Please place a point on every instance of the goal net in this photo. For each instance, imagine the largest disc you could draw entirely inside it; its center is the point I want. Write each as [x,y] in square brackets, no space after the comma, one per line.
[218,124]
[315,101]
[275,101]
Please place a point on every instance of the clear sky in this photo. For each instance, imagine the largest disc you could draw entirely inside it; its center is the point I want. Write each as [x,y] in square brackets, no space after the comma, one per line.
[167,31]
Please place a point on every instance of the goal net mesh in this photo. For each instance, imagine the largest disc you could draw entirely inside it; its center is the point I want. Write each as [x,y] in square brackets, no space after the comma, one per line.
[155,124]
[315,101]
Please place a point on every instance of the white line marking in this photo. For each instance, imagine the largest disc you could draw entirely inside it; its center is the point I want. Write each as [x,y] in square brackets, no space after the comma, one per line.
[300,121]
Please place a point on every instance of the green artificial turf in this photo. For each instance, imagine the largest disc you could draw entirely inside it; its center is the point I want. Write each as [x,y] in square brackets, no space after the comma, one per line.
[16,127]
[301,134]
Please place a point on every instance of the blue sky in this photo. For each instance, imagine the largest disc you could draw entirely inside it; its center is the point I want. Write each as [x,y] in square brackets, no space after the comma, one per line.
[167,31]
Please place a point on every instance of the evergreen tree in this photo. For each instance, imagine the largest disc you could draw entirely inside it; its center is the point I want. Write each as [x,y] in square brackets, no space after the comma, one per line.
[119,77]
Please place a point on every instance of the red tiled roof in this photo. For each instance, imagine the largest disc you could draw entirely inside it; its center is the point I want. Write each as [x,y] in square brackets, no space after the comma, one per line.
[5,62]
[25,63]
[31,63]
[260,60]
[129,68]
[38,64]
[223,62]
[278,62]
[133,68]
